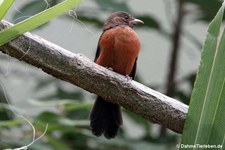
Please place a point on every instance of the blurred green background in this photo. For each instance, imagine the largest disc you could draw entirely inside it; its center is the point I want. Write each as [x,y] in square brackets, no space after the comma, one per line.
[171,40]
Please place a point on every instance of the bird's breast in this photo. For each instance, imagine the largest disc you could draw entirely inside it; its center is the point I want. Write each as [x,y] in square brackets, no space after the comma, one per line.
[119,48]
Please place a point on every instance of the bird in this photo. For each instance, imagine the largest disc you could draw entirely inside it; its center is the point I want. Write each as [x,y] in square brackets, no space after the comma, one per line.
[118,49]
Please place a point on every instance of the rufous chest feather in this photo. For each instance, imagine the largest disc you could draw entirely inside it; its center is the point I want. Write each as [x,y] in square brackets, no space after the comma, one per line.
[119,47]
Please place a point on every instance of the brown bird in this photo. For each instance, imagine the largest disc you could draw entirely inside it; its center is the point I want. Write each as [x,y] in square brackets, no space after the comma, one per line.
[118,48]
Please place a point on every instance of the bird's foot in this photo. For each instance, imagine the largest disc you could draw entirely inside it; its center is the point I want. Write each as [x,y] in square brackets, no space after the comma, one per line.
[110,68]
[128,78]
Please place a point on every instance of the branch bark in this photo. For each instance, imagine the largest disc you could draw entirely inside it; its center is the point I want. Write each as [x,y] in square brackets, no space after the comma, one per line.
[81,71]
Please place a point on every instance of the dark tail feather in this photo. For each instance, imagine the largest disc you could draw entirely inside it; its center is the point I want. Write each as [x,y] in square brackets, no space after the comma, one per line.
[105,118]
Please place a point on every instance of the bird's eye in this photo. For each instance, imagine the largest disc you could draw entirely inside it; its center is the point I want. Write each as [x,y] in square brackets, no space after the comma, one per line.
[126,17]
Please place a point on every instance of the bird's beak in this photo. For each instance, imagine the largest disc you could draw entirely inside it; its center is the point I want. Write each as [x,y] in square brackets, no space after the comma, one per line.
[136,21]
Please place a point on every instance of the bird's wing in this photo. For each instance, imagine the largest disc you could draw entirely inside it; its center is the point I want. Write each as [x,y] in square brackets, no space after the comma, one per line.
[133,72]
[97,53]
[98,49]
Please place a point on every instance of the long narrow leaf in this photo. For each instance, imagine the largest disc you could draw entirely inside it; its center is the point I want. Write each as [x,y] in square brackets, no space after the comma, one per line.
[4,7]
[37,20]
[205,124]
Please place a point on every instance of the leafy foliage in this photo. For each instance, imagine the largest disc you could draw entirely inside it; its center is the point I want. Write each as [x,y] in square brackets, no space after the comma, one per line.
[4,6]
[205,117]
[36,21]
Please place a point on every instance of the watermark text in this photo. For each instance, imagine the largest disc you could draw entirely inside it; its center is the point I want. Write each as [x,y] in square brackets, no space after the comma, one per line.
[199,146]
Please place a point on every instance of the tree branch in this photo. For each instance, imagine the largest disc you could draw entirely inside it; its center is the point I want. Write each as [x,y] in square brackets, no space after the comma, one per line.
[81,71]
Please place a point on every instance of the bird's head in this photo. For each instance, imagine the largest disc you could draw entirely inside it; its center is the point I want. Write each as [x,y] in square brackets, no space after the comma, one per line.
[121,18]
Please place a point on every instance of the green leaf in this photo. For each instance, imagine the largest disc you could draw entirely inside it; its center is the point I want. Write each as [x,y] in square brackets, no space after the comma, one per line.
[205,121]
[37,20]
[10,123]
[4,7]
[49,117]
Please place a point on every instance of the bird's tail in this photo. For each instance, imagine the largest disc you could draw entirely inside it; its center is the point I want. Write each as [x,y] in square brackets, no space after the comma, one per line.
[105,118]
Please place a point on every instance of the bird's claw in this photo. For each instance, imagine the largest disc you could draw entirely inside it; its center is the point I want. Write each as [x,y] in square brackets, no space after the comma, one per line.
[110,68]
[128,78]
